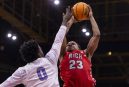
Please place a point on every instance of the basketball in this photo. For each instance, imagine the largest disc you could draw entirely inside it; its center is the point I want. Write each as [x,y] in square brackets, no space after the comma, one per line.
[80,11]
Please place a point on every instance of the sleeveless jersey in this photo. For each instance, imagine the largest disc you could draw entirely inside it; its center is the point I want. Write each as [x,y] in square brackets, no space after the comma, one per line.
[75,70]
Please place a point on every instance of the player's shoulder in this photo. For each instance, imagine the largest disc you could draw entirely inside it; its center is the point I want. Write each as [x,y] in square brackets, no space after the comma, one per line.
[22,67]
[20,71]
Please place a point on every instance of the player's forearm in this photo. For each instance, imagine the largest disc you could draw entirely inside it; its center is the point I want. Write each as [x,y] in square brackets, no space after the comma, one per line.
[8,83]
[69,24]
[54,52]
[63,47]
[59,40]
[95,27]
[60,34]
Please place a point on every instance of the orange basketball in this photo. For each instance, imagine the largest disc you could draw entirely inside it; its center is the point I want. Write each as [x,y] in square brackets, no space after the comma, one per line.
[80,11]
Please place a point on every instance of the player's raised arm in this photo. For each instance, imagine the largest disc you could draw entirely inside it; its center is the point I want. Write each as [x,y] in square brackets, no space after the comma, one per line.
[15,79]
[93,43]
[53,54]
[63,47]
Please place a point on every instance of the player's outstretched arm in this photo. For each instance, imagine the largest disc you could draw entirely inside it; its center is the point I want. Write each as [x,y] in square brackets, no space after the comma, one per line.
[16,78]
[93,43]
[63,47]
[53,54]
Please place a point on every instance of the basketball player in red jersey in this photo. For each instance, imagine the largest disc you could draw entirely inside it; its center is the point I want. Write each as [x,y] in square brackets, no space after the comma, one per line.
[75,64]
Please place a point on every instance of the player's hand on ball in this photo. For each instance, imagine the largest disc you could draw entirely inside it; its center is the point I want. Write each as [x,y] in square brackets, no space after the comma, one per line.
[90,11]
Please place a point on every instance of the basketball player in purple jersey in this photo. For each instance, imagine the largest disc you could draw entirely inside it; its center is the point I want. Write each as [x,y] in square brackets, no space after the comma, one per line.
[39,71]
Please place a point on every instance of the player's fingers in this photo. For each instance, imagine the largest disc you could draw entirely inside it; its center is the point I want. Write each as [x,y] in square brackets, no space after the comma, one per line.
[89,7]
[68,9]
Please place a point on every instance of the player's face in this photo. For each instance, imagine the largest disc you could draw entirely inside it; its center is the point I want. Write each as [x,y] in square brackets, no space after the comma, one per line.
[72,45]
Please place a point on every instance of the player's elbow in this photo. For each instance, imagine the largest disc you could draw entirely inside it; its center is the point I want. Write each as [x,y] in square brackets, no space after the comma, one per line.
[97,35]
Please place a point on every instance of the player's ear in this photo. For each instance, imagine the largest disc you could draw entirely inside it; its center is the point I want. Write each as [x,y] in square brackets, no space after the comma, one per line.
[79,46]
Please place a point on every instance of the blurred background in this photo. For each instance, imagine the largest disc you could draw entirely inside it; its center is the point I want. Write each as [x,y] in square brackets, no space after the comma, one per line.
[22,20]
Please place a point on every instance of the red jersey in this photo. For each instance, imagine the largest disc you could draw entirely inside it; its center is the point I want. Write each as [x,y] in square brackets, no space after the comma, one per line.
[75,70]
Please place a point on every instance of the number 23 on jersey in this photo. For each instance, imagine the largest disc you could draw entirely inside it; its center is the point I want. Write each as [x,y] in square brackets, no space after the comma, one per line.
[75,64]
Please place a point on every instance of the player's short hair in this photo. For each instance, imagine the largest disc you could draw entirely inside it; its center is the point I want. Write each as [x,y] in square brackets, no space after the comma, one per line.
[29,51]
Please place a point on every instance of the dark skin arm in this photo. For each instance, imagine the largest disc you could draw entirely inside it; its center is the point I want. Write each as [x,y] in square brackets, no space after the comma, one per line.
[63,47]
[93,43]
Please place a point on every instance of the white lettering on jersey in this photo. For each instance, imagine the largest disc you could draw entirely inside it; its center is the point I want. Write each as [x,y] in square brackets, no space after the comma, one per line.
[75,55]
